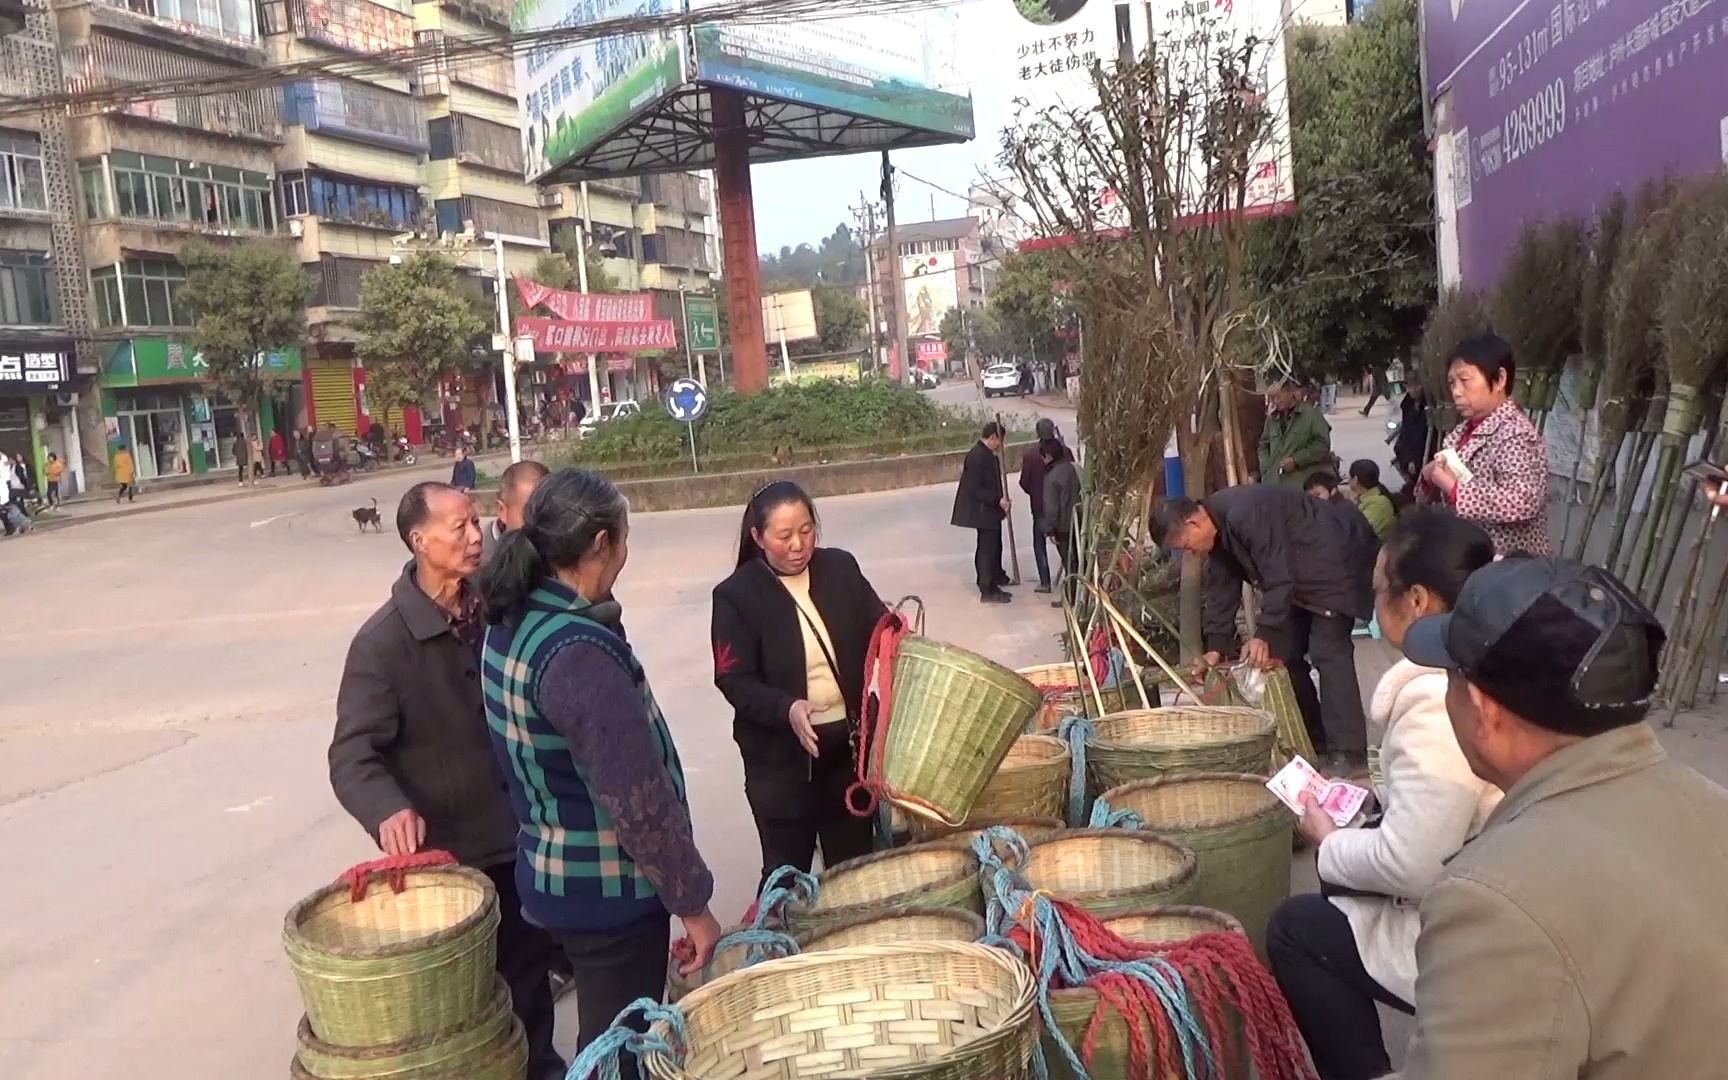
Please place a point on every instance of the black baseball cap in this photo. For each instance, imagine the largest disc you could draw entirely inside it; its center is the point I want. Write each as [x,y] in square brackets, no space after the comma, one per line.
[1566,646]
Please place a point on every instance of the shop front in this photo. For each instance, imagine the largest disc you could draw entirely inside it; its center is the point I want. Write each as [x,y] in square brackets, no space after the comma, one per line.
[34,397]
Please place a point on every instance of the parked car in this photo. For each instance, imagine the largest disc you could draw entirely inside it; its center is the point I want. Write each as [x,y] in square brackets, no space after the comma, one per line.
[616,410]
[1004,379]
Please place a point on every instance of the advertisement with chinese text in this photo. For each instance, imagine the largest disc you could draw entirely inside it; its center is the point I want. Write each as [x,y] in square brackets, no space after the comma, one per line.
[571,97]
[899,68]
[1561,103]
[932,289]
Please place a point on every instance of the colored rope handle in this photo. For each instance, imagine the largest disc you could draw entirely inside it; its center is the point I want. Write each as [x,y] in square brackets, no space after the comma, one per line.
[393,869]
[879,659]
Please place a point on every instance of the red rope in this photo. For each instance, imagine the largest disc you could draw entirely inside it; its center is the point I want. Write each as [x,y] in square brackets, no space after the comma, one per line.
[393,869]
[873,722]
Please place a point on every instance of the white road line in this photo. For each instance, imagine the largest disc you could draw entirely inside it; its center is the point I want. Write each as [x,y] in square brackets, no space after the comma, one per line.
[248,807]
[268,520]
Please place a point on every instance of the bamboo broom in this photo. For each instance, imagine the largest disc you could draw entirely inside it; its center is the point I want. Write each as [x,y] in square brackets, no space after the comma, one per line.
[1536,308]
[1643,441]
[1598,274]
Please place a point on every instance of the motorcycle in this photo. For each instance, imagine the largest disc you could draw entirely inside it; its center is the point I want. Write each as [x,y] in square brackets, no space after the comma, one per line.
[363,457]
[404,450]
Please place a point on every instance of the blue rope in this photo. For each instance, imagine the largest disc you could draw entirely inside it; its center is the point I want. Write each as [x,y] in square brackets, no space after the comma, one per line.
[1105,818]
[759,945]
[1076,731]
[785,886]
[600,1060]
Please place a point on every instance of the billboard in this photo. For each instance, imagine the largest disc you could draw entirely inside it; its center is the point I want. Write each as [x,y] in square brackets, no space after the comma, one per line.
[900,68]
[789,316]
[572,97]
[931,286]
[1558,104]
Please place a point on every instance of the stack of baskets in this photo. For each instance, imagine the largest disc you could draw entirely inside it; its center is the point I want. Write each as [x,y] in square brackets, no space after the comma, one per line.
[397,977]
[1065,692]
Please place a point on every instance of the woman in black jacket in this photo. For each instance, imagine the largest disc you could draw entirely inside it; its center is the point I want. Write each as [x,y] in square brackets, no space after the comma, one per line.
[791,629]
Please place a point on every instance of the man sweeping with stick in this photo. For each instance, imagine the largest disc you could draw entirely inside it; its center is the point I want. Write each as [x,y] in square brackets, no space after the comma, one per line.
[981,504]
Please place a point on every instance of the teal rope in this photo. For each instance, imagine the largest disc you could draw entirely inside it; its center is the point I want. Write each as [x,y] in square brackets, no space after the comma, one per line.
[600,1060]
[759,945]
[1105,818]
[1076,731]
[785,887]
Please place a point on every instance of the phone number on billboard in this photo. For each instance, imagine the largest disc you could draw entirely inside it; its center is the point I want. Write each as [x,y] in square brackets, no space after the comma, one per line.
[1535,122]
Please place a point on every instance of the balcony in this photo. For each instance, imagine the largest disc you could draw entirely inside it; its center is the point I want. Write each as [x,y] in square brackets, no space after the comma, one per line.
[473,141]
[628,186]
[106,62]
[363,113]
[226,22]
[336,281]
[491,217]
[358,26]
[679,192]
[11,16]
[493,74]
[677,248]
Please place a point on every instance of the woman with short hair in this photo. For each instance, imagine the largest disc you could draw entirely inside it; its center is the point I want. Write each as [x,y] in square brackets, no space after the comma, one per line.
[791,630]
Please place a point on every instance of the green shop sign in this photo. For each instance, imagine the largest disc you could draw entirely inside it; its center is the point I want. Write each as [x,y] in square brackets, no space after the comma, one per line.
[144,361]
[701,324]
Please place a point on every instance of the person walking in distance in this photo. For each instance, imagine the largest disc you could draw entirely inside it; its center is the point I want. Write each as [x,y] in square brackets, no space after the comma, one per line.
[242,456]
[1314,568]
[256,446]
[1032,469]
[981,505]
[125,474]
[462,474]
[411,759]
[278,453]
[55,471]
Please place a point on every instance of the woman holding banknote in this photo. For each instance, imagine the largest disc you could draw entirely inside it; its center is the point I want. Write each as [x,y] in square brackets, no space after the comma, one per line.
[1338,953]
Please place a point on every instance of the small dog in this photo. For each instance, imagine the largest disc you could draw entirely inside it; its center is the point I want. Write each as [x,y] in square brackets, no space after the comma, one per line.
[368,515]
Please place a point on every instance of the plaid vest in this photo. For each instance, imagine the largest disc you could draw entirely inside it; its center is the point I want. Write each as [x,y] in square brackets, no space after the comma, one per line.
[570,869]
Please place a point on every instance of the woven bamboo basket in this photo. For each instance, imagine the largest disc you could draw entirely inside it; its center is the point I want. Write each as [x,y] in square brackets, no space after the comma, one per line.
[922,875]
[1030,830]
[482,1049]
[1032,782]
[724,962]
[1065,692]
[1148,743]
[896,927]
[1073,1008]
[1280,701]
[1237,829]
[1111,871]
[395,967]
[953,717]
[935,1010]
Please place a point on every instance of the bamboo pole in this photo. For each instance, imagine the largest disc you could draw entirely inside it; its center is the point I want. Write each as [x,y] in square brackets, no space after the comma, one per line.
[1686,491]
[1679,421]
[1128,627]
[1002,471]
[1643,443]
[1682,690]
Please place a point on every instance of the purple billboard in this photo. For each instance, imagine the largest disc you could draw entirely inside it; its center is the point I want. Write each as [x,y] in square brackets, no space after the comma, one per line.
[1556,104]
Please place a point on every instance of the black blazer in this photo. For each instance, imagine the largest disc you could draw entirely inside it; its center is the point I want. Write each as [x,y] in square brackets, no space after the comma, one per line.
[759,661]
[978,502]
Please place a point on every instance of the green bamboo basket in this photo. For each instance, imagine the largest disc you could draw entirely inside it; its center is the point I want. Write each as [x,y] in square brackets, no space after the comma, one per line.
[1031,782]
[1238,830]
[1111,871]
[1280,702]
[896,927]
[1073,1008]
[483,1050]
[1148,743]
[934,1010]
[395,967]
[1066,692]
[1030,830]
[922,875]
[953,717]
[723,962]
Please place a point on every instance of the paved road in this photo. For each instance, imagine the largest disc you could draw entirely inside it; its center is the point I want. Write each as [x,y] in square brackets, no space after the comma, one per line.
[163,796]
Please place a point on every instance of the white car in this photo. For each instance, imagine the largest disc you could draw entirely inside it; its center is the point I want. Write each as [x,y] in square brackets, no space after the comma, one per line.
[1003,379]
[615,411]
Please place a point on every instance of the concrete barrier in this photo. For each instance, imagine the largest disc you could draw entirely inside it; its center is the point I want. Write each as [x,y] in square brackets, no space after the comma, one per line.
[839,478]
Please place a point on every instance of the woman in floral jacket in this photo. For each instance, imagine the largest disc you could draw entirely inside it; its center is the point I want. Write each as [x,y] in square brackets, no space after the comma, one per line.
[1507,489]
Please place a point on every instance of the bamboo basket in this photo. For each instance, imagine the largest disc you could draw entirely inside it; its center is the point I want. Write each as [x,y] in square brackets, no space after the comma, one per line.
[723,962]
[1111,871]
[1280,702]
[1030,829]
[1148,743]
[1073,1008]
[1032,782]
[395,967]
[485,1049]
[929,1011]
[1238,830]
[1065,692]
[923,875]
[953,717]
[907,925]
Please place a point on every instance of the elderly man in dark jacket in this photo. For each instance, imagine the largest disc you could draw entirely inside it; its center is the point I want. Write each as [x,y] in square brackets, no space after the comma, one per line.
[981,504]
[1314,569]
[412,760]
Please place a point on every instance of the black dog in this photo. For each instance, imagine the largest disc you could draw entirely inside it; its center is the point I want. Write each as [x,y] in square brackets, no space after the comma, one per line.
[368,515]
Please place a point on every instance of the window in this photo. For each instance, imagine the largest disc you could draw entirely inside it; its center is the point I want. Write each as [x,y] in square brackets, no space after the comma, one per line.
[226,18]
[148,288]
[357,202]
[162,189]
[95,187]
[26,289]
[22,186]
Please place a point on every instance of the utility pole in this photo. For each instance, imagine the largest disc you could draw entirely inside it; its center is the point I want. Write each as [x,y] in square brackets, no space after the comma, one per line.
[866,216]
[899,366]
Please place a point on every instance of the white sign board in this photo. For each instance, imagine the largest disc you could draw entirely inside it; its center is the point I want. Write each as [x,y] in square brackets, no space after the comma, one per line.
[931,283]
[789,316]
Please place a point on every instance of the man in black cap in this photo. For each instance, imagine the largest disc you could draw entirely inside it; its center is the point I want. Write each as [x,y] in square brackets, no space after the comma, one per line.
[1314,569]
[1579,934]
[1032,470]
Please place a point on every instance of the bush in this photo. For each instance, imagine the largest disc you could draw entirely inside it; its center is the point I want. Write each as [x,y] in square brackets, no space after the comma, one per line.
[808,417]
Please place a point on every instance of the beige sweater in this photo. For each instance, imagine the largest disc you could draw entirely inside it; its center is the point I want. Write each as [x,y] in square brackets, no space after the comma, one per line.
[827,703]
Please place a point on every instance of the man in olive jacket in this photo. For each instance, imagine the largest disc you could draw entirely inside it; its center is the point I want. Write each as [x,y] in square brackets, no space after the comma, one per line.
[1580,933]
[412,758]
[1295,442]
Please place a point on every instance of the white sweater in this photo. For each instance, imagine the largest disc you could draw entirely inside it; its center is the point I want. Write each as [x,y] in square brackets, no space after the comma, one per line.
[1432,802]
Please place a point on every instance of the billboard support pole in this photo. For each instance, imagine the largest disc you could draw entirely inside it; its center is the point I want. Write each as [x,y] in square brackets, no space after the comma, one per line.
[899,368]
[738,240]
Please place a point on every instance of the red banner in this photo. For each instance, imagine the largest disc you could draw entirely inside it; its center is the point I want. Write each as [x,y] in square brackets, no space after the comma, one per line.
[586,307]
[563,336]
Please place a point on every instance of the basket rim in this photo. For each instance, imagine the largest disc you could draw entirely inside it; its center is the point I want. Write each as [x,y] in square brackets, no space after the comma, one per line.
[499,1003]
[1190,861]
[1178,779]
[1056,751]
[293,938]
[863,862]
[970,918]
[1232,926]
[1268,726]
[1017,681]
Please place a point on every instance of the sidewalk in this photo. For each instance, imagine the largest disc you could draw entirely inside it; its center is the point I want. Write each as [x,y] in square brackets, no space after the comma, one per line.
[100,506]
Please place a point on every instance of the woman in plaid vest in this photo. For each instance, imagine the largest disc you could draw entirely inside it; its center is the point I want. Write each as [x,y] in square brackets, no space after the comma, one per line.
[604,849]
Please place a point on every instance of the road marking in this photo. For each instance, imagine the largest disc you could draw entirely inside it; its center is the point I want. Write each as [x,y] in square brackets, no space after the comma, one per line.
[268,520]
[249,807]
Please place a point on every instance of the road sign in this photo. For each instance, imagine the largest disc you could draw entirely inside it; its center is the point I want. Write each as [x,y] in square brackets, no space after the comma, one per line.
[701,323]
[686,400]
